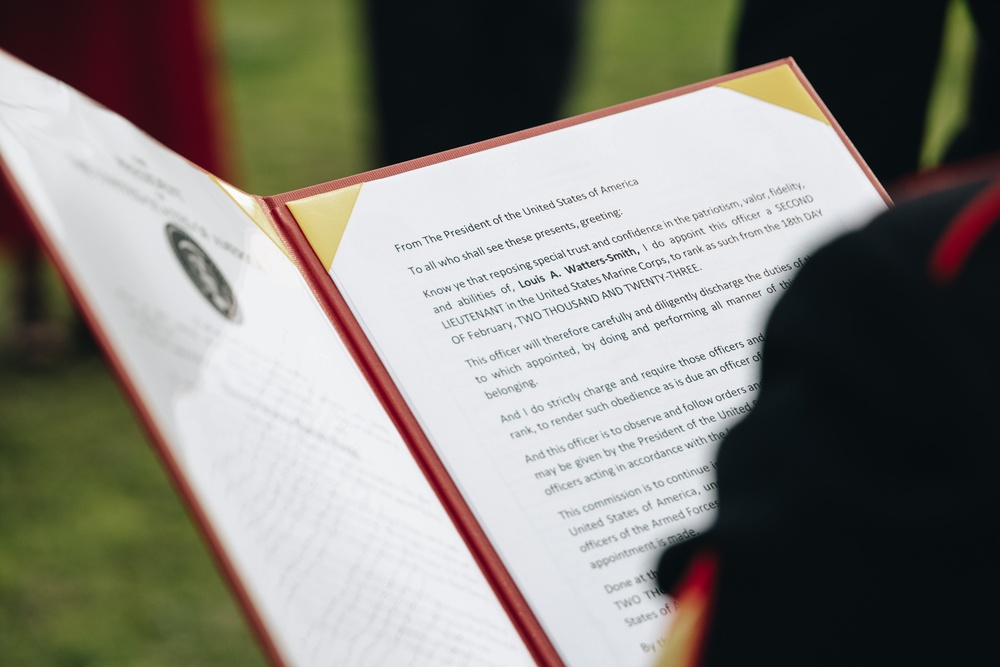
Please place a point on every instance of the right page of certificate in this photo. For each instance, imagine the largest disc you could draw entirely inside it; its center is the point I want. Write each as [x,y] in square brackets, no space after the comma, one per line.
[575,319]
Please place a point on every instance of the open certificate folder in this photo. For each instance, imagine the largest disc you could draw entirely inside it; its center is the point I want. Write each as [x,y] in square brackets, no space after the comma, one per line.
[448,412]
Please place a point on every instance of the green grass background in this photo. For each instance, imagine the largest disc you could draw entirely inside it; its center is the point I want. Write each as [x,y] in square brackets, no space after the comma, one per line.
[99,562]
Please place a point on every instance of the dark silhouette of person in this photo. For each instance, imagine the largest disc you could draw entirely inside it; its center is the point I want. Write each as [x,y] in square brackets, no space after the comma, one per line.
[858,500]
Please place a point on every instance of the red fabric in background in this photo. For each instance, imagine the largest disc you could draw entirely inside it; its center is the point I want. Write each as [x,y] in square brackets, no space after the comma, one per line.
[151,61]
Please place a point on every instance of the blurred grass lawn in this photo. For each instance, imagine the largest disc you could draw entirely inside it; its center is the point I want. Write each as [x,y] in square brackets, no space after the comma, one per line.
[99,563]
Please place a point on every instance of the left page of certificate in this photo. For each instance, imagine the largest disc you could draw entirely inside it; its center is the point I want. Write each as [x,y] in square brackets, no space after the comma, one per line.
[332,535]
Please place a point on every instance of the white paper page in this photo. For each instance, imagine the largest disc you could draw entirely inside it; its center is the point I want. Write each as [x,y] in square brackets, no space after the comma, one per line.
[335,534]
[576,320]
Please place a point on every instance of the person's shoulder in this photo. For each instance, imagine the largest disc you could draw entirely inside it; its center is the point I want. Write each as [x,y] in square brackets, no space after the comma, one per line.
[920,224]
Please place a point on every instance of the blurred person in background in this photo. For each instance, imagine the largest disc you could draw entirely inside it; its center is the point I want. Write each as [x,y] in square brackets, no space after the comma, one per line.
[448,74]
[873,63]
[151,62]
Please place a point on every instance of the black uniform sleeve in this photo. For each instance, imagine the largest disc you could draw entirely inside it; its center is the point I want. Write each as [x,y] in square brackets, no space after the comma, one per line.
[858,500]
